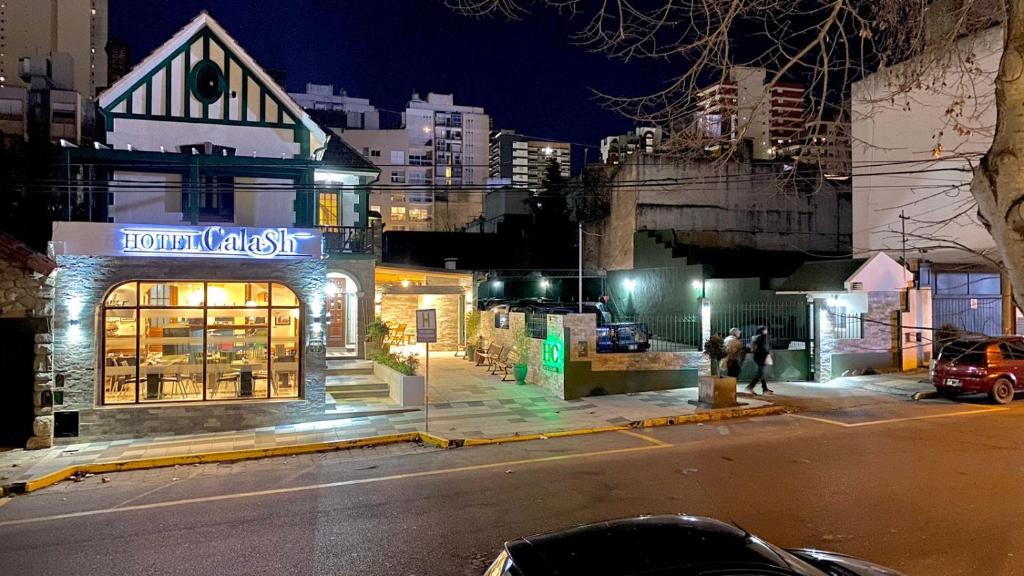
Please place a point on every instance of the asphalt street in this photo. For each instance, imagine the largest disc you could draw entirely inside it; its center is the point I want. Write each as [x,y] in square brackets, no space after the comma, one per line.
[931,487]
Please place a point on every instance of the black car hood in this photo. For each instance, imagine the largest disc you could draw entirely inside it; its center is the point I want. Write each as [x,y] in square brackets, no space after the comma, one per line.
[841,564]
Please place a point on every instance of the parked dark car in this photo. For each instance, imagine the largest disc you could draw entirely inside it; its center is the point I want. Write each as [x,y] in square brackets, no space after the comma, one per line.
[667,546]
[994,366]
[623,337]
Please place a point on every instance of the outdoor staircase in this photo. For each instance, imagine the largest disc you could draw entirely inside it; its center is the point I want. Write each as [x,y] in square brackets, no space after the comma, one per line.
[352,380]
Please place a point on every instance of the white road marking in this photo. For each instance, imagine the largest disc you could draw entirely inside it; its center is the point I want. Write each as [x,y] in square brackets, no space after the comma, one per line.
[295,489]
[892,420]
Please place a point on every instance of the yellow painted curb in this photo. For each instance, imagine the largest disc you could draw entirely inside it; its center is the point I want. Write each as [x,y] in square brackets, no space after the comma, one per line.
[212,457]
[257,453]
[543,436]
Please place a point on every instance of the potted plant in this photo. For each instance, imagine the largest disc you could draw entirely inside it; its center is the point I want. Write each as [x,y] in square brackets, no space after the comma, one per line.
[521,345]
[714,349]
[472,330]
[376,332]
[715,391]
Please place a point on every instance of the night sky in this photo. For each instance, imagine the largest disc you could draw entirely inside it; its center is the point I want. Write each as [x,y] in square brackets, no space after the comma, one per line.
[526,74]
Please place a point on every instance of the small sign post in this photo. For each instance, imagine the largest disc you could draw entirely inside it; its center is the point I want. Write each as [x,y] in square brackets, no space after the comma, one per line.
[426,332]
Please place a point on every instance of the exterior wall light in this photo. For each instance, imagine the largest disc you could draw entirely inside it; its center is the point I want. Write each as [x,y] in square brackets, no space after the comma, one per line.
[629,284]
[405,283]
[331,289]
[544,284]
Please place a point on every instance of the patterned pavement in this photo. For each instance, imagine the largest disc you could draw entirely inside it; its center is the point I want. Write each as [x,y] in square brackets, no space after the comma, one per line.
[464,402]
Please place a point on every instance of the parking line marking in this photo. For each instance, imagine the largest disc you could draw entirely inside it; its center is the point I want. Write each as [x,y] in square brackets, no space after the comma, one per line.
[294,489]
[650,439]
[907,419]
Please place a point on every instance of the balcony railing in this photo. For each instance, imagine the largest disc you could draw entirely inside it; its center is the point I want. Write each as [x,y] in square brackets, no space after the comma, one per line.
[349,239]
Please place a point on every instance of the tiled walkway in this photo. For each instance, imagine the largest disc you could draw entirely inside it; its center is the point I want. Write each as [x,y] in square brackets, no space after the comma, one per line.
[465,402]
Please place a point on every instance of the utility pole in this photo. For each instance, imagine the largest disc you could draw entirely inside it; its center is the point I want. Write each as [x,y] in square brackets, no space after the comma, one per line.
[903,234]
[579,225]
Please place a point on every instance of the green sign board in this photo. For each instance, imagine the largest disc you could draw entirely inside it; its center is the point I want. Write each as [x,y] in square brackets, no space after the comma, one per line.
[552,358]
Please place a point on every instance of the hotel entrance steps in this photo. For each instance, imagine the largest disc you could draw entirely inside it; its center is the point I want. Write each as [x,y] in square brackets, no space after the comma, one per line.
[348,367]
[354,386]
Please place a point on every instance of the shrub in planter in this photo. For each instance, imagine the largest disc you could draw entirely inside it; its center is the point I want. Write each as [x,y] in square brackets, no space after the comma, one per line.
[714,349]
[376,333]
[405,365]
[472,333]
[521,345]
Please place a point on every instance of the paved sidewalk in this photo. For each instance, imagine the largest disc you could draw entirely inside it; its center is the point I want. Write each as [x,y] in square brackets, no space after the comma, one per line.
[521,410]
[897,384]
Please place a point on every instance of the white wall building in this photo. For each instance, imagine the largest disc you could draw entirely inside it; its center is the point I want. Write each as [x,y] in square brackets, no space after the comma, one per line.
[642,140]
[337,110]
[743,106]
[910,159]
[524,160]
[437,163]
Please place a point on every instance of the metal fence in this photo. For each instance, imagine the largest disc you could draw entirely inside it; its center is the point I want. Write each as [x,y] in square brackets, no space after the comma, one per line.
[671,332]
[786,321]
[970,314]
[537,325]
[848,326]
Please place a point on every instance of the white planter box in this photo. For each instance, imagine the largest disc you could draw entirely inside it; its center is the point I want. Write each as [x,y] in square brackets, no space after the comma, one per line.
[403,390]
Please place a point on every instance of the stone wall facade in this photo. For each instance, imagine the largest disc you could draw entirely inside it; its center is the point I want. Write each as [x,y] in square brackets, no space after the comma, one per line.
[83,281]
[26,296]
[398,306]
[362,271]
[875,349]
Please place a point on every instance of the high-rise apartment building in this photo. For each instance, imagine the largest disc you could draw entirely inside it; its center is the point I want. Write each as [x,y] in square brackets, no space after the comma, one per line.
[524,161]
[743,106]
[39,29]
[642,140]
[434,169]
[119,59]
[337,109]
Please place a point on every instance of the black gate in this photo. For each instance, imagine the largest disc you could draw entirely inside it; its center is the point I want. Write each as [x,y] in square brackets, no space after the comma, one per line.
[17,340]
[980,315]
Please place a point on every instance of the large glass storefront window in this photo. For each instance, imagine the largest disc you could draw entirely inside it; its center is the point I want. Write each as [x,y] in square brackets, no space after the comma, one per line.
[189,341]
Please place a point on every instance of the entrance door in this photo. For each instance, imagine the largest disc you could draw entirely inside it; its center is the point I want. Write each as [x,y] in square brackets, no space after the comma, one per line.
[336,307]
[17,341]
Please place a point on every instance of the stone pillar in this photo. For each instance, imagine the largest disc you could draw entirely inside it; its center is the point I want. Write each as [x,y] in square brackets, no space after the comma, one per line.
[42,387]
[825,340]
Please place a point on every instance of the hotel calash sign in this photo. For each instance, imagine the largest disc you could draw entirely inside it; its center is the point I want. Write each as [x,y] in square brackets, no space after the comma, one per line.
[218,242]
[426,325]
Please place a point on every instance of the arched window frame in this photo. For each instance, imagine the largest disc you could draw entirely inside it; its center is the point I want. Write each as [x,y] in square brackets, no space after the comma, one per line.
[296,312]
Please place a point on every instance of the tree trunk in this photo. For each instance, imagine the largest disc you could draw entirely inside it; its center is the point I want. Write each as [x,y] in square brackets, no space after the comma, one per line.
[998,182]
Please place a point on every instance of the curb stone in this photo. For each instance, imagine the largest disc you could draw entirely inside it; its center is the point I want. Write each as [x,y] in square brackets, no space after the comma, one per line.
[56,476]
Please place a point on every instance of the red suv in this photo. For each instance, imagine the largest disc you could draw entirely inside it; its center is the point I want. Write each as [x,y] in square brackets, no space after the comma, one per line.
[994,366]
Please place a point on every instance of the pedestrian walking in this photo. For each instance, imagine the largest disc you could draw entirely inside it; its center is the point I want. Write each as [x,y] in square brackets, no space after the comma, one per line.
[734,352]
[761,348]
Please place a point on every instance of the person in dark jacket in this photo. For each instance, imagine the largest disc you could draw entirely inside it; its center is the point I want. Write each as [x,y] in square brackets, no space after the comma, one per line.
[761,350]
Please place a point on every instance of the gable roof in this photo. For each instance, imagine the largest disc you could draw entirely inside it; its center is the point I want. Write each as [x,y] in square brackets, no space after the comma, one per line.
[13,250]
[342,154]
[111,99]
[825,276]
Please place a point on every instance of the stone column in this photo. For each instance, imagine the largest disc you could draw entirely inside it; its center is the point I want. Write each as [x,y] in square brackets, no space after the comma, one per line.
[42,387]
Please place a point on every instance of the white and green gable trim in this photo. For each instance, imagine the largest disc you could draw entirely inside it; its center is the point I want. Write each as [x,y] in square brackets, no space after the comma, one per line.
[201,75]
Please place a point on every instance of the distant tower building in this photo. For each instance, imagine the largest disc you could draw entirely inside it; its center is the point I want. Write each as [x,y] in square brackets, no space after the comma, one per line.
[119,59]
[434,169]
[39,30]
[642,140]
[338,111]
[523,161]
[743,106]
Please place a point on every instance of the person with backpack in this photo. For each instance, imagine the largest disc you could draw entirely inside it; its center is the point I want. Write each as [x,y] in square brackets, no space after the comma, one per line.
[761,349]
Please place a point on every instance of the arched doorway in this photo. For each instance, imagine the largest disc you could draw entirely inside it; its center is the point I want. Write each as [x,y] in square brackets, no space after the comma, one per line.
[343,306]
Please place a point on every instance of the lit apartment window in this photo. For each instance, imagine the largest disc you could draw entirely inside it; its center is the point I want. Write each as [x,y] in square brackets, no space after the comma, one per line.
[418,215]
[398,213]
